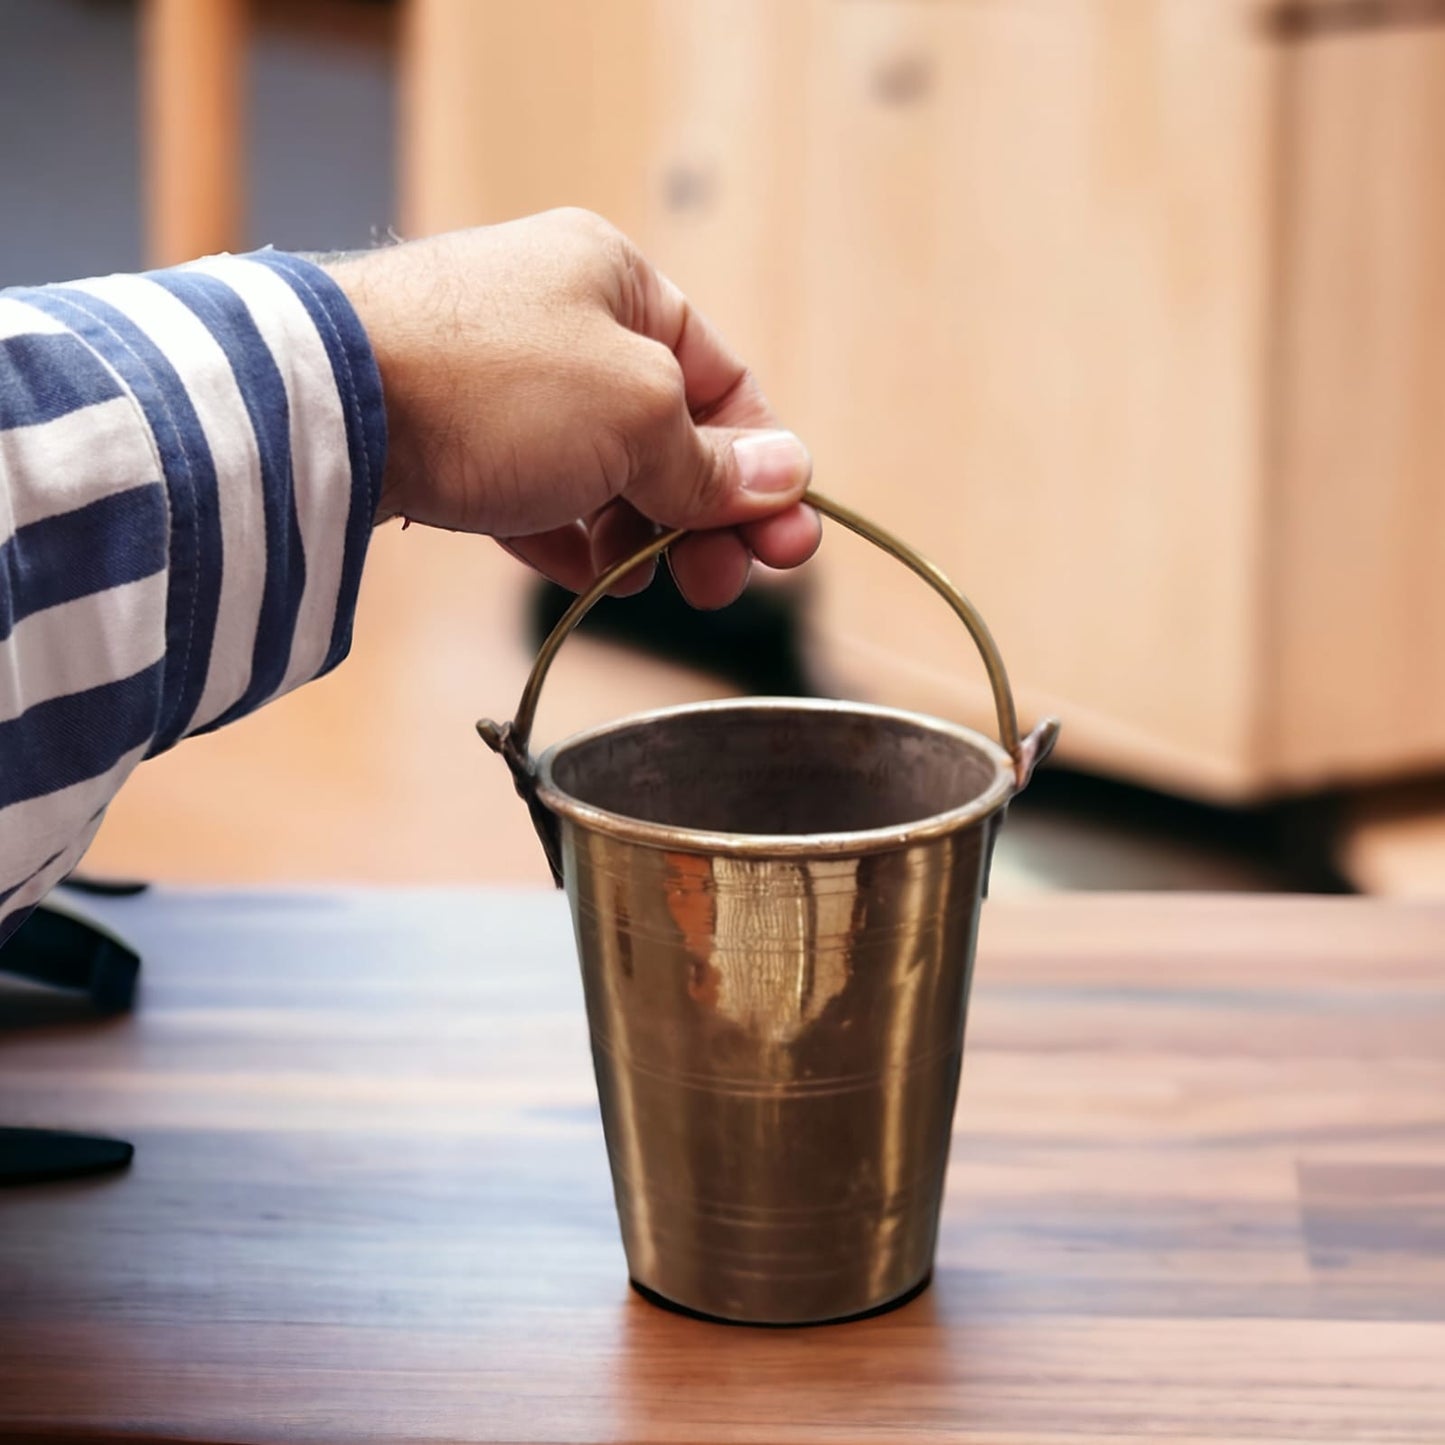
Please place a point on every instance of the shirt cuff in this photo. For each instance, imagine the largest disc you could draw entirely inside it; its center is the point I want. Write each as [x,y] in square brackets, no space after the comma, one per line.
[264,402]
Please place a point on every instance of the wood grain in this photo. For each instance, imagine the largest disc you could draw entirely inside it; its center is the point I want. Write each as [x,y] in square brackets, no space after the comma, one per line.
[1196,1194]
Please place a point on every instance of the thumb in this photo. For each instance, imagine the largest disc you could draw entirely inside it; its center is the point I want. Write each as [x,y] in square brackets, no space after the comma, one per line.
[724,477]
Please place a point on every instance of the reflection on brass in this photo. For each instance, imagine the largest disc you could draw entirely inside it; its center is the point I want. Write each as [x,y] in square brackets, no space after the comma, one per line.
[734,912]
[775,904]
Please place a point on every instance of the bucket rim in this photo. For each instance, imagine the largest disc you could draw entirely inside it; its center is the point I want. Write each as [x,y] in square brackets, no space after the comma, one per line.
[671,837]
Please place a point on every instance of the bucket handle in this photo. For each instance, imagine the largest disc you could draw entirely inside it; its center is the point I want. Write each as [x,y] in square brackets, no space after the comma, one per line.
[512,740]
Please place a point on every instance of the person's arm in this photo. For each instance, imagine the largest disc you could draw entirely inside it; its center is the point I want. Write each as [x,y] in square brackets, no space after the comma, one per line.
[191,463]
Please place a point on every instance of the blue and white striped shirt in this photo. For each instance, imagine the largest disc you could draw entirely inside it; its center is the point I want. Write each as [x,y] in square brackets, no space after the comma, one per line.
[190,462]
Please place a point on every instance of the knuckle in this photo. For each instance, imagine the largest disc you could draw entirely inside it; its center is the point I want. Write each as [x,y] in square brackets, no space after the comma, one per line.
[577,218]
[591,227]
[616,458]
[604,261]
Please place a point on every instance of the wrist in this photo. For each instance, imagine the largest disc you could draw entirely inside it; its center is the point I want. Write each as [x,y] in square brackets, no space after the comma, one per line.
[354,274]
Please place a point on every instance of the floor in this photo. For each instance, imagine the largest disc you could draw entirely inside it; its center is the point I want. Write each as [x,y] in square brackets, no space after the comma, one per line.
[375,774]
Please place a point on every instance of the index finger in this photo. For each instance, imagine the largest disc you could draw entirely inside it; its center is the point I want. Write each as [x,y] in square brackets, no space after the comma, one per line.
[720,389]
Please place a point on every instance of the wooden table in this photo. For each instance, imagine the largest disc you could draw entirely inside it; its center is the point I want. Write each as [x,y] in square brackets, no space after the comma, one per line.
[1198,1193]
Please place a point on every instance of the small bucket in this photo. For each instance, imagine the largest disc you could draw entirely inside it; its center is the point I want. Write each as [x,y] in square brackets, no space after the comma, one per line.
[775,902]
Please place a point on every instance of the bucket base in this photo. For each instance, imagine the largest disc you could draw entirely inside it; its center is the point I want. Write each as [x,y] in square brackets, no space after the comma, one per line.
[897,1302]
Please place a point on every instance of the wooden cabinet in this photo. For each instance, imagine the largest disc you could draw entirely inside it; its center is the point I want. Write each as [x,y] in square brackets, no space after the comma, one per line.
[1356,475]
[1038,349]
[1130,312]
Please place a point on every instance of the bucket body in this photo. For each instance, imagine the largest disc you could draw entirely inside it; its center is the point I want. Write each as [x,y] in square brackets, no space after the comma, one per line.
[775,904]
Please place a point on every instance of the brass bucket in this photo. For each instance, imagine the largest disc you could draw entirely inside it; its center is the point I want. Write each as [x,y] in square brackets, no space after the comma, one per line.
[775,902]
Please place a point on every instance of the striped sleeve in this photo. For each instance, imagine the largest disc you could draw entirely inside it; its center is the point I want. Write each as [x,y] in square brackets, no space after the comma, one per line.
[190,462]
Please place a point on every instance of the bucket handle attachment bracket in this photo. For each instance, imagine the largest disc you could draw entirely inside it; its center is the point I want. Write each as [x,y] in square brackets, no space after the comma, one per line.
[512,740]
[502,739]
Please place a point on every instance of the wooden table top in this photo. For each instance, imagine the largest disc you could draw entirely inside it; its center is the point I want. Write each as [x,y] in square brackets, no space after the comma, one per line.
[1197,1193]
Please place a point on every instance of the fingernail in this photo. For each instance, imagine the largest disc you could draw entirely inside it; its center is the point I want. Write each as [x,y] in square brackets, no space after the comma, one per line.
[770,462]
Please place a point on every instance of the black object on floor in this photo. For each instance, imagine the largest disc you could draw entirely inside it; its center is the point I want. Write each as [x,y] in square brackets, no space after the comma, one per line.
[64,951]
[41,1156]
[1285,844]
[77,960]
[105,887]
[757,644]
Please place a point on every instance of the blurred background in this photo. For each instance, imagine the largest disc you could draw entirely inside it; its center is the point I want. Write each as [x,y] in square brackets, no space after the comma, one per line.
[1131,313]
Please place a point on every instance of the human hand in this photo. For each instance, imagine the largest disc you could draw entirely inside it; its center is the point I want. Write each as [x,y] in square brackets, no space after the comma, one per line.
[547,387]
